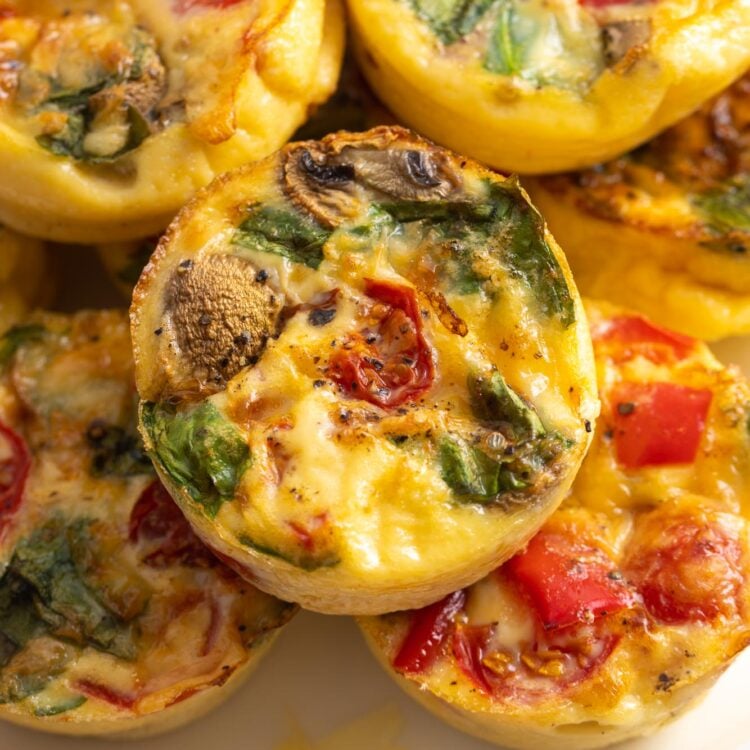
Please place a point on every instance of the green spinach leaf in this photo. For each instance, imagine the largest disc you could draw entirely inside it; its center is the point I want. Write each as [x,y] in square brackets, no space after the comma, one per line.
[451,20]
[281,232]
[496,403]
[200,450]
[15,337]
[727,208]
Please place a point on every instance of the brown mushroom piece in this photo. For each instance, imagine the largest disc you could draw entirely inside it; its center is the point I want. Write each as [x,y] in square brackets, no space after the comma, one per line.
[220,316]
[331,179]
[619,37]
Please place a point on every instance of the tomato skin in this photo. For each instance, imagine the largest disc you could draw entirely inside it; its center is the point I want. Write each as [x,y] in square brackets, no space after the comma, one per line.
[428,632]
[468,645]
[689,572]
[158,523]
[392,363]
[106,694]
[636,335]
[13,474]
[183,6]
[568,582]
[658,423]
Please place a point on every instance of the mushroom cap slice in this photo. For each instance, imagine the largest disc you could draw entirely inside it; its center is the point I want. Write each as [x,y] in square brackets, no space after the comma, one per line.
[115,619]
[416,368]
[483,77]
[632,599]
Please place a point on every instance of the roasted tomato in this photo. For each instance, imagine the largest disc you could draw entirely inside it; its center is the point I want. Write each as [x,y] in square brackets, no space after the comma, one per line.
[114,617]
[350,308]
[634,595]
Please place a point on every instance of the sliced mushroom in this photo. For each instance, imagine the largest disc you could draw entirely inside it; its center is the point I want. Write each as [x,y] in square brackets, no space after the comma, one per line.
[332,179]
[619,37]
[221,317]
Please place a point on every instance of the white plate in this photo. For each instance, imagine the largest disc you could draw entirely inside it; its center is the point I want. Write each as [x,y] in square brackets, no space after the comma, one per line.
[320,689]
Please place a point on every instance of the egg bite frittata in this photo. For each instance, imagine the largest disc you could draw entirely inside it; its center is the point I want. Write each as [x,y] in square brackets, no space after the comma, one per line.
[364,369]
[25,278]
[634,596]
[113,112]
[114,618]
[535,86]
[665,229]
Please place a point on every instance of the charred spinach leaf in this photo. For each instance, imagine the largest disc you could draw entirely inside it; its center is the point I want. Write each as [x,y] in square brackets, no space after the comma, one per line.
[116,451]
[451,19]
[15,337]
[727,208]
[42,592]
[478,475]
[497,404]
[200,450]
[281,232]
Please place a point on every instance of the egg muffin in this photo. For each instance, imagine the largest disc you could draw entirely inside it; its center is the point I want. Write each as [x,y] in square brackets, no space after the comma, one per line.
[124,261]
[25,280]
[535,86]
[633,598]
[364,369]
[114,618]
[113,112]
[666,228]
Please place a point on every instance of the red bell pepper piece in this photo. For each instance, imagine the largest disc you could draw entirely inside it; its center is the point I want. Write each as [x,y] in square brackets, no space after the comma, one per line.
[568,582]
[391,362]
[658,423]
[637,335]
[14,470]
[428,633]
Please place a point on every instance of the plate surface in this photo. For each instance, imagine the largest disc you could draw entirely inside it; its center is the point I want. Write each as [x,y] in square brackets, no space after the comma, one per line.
[319,688]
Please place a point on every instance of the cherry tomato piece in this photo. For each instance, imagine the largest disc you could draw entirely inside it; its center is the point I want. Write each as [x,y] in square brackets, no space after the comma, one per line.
[14,470]
[389,362]
[688,572]
[157,523]
[429,630]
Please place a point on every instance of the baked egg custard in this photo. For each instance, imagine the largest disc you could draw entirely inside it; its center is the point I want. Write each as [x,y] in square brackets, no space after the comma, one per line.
[364,369]
[114,617]
[113,112]
[536,86]
[25,279]
[666,228]
[633,598]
